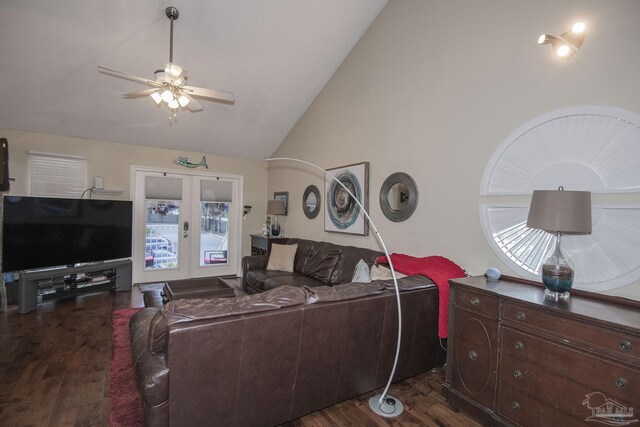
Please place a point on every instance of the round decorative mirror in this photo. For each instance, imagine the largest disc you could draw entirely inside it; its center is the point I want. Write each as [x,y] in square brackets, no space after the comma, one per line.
[398,196]
[311,201]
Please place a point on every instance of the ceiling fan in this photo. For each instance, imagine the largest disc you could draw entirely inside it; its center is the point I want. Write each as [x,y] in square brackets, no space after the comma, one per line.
[170,84]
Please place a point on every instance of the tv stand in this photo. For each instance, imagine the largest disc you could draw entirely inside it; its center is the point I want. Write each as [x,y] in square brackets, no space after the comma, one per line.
[38,286]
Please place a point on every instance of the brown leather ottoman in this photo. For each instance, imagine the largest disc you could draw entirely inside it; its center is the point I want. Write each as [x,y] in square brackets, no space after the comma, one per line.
[205,287]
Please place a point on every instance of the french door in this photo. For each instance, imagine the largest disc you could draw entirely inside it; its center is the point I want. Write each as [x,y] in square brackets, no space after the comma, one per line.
[185,225]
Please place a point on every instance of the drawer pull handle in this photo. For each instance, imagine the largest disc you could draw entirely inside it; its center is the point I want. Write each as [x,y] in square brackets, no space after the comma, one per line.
[517,374]
[625,345]
[519,345]
[521,315]
[515,406]
[475,301]
[622,383]
[473,355]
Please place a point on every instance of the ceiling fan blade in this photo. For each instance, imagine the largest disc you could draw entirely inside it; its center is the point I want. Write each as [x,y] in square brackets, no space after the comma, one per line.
[127,76]
[215,95]
[140,93]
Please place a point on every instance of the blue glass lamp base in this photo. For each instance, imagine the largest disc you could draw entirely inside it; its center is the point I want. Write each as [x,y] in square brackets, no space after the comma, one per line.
[557,286]
[556,296]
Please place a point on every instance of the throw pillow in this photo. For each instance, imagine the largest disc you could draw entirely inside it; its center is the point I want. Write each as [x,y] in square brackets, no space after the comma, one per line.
[281,257]
[380,272]
[361,273]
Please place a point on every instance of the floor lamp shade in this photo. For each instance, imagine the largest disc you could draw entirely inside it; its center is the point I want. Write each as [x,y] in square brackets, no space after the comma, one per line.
[559,211]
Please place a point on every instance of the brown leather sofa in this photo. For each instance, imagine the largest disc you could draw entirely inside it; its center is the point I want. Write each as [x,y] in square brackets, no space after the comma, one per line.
[267,358]
[315,264]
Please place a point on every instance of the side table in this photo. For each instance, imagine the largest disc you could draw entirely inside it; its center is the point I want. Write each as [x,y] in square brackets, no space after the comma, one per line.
[261,245]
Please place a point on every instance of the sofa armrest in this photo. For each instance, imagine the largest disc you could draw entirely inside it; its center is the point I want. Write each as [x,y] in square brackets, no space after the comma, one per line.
[252,262]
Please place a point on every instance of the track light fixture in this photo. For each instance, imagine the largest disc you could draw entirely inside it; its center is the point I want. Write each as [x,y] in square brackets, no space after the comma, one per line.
[568,43]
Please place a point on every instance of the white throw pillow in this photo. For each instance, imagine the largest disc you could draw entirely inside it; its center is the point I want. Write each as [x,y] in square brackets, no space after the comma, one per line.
[282,257]
[379,272]
[361,273]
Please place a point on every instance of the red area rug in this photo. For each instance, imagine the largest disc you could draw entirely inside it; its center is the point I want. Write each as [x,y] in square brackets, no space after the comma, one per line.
[125,405]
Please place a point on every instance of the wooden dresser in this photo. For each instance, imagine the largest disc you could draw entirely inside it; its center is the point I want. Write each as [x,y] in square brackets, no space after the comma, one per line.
[515,358]
[261,245]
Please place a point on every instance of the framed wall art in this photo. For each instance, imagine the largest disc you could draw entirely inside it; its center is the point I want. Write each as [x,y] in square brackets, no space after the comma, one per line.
[284,196]
[342,213]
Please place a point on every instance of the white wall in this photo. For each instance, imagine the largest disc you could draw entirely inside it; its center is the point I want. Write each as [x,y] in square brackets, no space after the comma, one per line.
[113,162]
[433,88]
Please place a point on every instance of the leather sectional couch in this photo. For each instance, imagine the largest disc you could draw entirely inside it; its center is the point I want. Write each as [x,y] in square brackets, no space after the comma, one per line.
[315,264]
[267,358]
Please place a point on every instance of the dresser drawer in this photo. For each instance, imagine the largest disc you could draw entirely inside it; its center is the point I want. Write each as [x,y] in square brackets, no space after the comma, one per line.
[524,410]
[614,343]
[477,301]
[598,374]
[550,388]
[474,362]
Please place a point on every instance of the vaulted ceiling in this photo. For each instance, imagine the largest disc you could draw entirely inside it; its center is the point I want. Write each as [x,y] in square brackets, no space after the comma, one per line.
[275,56]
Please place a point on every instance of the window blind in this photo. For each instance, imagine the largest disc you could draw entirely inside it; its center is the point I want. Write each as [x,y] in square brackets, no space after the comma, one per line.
[53,175]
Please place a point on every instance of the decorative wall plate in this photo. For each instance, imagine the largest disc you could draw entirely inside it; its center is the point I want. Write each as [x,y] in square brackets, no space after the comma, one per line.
[589,148]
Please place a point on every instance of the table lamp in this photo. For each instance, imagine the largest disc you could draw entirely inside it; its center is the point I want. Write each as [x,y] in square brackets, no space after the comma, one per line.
[275,207]
[559,212]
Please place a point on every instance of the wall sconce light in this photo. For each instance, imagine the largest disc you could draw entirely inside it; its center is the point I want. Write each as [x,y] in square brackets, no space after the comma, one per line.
[246,209]
[568,43]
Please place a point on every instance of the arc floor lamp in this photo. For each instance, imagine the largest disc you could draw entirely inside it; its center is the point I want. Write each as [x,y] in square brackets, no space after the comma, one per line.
[382,404]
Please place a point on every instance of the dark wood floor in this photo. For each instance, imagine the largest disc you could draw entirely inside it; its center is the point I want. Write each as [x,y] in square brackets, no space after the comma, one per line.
[54,371]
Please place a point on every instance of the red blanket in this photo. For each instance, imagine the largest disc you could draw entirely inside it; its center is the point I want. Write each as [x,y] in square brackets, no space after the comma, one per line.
[437,268]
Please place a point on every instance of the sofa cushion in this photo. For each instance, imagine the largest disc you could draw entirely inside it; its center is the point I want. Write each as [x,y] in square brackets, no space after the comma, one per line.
[343,292]
[343,272]
[381,272]
[281,257]
[305,248]
[185,310]
[323,261]
[256,278]
[408,283]
[293,279]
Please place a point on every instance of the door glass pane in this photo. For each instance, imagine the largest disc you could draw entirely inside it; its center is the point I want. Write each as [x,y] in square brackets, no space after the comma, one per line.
[214,223]
[162,233]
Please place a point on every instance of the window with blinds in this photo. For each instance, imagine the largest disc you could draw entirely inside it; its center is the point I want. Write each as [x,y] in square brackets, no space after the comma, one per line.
[56,175]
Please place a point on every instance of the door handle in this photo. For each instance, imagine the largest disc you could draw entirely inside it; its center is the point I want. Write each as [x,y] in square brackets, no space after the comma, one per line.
[185,227]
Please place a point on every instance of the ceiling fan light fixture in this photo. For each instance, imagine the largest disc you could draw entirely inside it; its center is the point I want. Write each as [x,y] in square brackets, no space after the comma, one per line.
[174,70]
[167,96]
[173,104]
[183,101]
[156,97]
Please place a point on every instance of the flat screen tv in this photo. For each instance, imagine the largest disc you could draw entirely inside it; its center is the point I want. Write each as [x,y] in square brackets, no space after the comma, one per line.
[41,232]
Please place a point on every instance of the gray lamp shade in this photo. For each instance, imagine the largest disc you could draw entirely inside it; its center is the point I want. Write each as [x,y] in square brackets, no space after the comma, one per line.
[275,207]
[559,210]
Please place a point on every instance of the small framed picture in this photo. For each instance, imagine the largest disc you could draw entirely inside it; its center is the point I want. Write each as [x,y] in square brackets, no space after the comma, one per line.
[284,196]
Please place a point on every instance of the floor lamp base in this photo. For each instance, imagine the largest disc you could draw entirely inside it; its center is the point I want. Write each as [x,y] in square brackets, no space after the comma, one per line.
[390,406]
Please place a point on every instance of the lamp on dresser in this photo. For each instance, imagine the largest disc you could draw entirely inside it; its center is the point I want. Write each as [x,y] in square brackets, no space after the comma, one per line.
[559,211]
[275,208]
